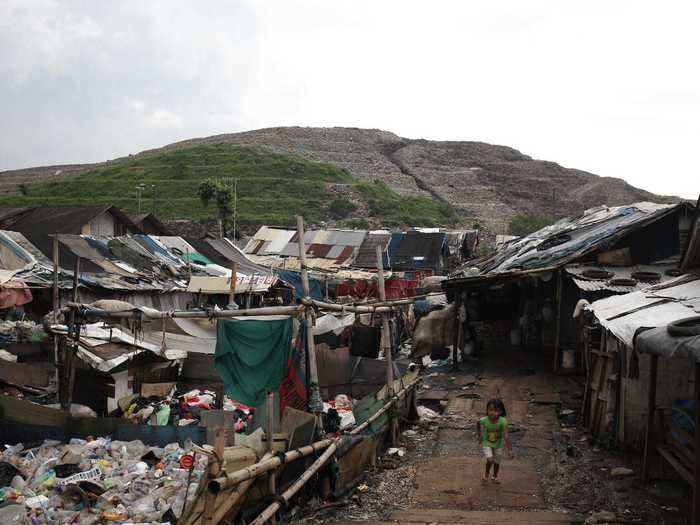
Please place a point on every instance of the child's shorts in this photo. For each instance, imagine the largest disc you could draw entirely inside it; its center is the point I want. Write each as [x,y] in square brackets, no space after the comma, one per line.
[493,455]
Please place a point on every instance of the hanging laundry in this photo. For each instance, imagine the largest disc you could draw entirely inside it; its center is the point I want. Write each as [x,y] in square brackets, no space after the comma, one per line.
[252,356]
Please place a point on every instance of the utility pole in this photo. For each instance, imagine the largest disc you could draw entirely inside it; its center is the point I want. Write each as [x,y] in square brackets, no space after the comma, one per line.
[235,207]
[153,192]
[554,196]
[139,191]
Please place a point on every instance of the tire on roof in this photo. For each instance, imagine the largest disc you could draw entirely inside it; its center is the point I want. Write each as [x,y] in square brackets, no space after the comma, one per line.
[689,326]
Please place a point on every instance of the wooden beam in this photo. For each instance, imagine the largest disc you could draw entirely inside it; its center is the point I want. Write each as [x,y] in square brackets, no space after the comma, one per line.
[234,280]
[651,410]
[560,282]
[56,306]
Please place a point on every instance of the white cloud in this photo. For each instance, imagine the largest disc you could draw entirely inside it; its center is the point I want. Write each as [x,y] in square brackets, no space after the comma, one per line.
[606,87]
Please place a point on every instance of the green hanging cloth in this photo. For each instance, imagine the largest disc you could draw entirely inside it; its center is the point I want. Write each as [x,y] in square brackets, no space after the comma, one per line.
[251,356]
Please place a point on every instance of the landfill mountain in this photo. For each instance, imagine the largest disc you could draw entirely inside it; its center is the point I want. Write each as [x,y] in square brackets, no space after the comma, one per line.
[484,183]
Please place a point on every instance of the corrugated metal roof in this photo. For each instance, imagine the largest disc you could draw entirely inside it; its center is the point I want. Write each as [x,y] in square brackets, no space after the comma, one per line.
[269,241]
[367,254]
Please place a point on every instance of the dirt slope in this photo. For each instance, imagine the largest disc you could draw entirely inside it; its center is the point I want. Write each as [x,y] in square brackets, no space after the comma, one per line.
[485,183]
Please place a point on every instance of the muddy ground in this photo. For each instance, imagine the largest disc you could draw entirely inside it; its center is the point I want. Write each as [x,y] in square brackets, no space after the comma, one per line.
[556,466]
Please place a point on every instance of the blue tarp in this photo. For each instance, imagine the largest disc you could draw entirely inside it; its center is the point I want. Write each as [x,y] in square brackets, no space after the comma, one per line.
[293,278]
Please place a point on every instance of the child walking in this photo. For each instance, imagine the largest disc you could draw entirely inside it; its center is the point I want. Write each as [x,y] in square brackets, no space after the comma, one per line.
[493,434]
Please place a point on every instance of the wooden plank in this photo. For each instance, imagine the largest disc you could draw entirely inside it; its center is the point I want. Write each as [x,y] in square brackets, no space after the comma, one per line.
[156,389]
[30,413]
[683,471]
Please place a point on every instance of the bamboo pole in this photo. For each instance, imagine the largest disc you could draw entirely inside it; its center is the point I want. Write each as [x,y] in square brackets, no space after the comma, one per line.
[351,309]
[190,314]
[315,402]
[287,495]
[254,471]
[214,467]
[55,308]
[270,310]
[270,511]
[386,345]
[258,469]
[270,435]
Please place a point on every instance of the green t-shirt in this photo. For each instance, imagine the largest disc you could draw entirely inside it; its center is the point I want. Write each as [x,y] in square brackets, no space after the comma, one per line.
[492,433]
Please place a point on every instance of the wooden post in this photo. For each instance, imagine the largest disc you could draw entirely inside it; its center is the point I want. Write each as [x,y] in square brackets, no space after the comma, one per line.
[232,289]
[386,346]
[696,449]
[457,329]
[560,282]
[651,411]
[315,401]
[56,306]
[72,350]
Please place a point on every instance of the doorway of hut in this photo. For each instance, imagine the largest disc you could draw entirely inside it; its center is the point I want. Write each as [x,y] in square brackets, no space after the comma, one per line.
[517,317]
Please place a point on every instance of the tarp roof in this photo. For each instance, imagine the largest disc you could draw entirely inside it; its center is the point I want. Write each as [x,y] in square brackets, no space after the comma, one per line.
[418,250]
[570,238]
[658,341]
[656,306]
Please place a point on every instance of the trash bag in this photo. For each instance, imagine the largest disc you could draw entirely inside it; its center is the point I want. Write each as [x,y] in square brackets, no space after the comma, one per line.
[7,472]
[331,421]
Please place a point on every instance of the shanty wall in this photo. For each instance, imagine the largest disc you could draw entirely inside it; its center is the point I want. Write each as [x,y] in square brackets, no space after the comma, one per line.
[675,381]
[622,386]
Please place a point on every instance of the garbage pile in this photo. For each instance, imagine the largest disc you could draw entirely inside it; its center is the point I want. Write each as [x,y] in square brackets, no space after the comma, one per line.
[179,409]
[338,414]
[21,331]
[98,481]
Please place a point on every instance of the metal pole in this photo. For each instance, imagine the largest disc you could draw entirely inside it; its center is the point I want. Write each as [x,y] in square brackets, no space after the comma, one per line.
[315,401]
[386,345]
[56,306]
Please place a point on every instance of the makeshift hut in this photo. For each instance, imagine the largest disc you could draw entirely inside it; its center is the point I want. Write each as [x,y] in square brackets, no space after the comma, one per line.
[525,293]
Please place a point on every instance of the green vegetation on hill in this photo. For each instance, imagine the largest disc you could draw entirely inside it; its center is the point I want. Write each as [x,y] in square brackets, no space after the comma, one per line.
[272,188]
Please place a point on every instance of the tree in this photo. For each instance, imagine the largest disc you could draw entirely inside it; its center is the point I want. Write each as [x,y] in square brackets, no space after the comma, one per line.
[24,189]
[340,208]
[523,224]
[217,191]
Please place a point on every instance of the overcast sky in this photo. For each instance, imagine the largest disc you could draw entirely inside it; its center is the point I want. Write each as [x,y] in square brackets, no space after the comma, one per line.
[608,87]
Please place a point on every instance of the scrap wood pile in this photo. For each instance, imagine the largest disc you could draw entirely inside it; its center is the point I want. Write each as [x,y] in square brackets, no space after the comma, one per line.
[98,481]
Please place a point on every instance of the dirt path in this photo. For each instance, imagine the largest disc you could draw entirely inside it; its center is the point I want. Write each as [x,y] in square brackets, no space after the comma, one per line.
[557,476]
